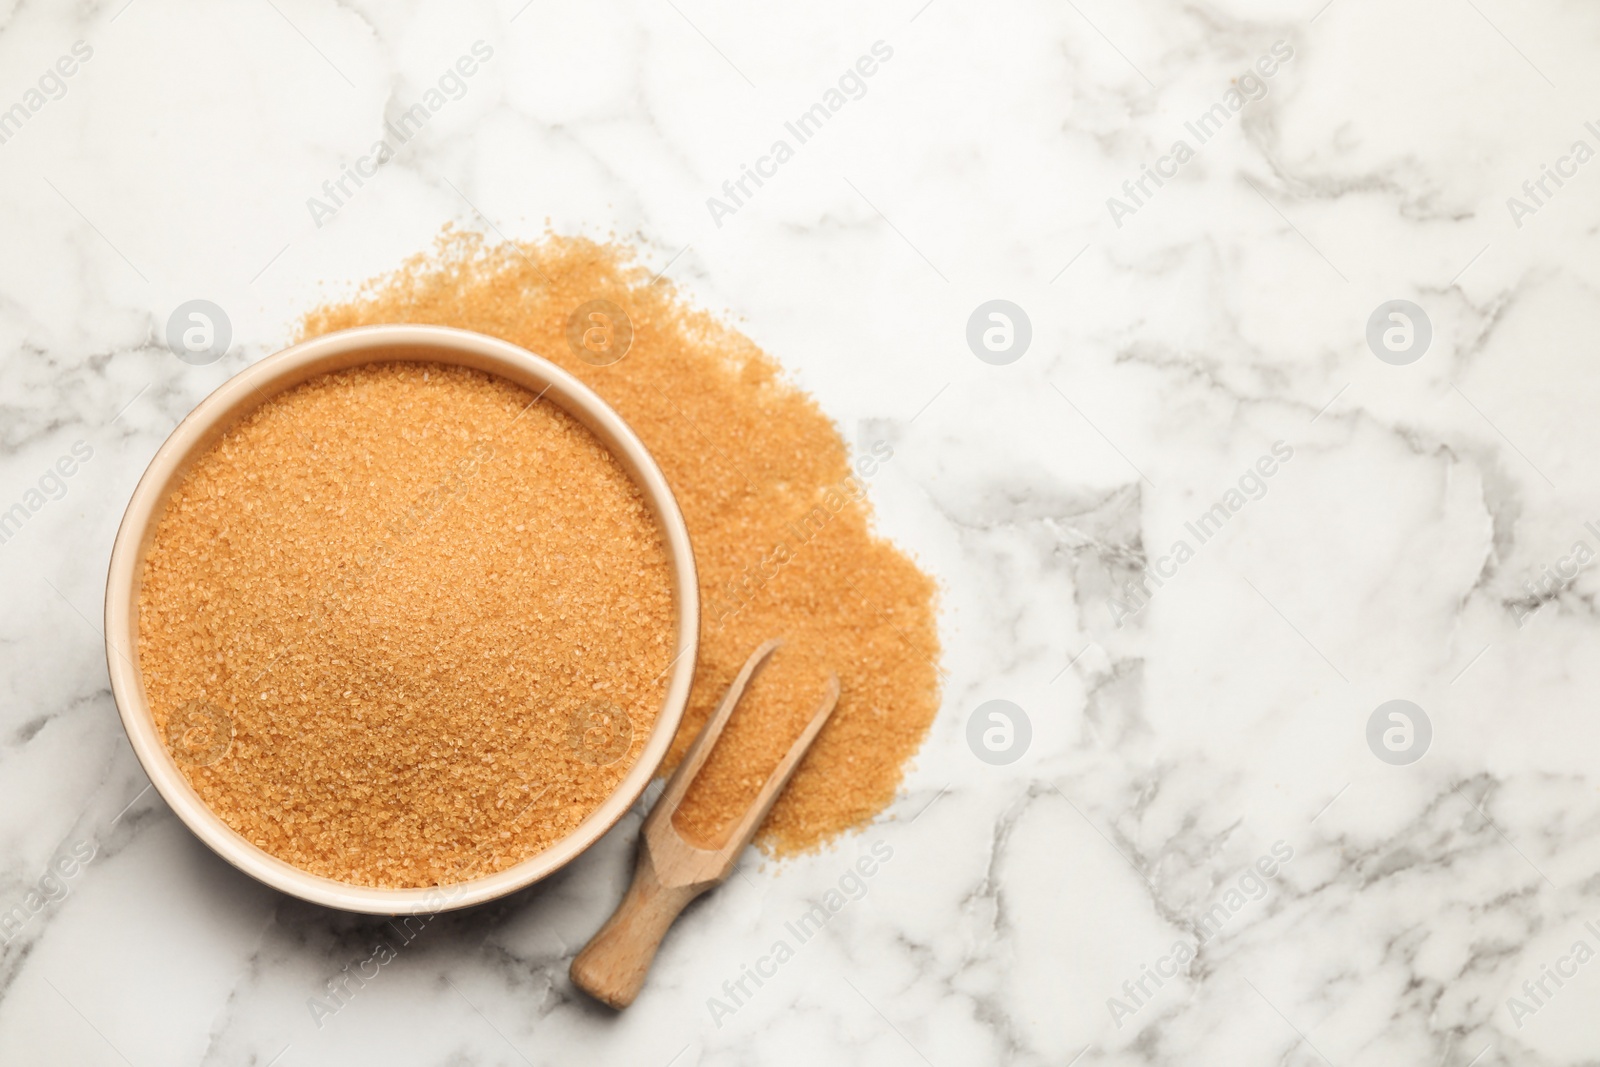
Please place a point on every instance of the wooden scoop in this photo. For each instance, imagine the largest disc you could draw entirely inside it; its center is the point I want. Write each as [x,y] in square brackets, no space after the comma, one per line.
[671,872]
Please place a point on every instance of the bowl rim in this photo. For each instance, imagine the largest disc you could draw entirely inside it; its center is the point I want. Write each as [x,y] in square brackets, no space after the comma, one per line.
[246,391]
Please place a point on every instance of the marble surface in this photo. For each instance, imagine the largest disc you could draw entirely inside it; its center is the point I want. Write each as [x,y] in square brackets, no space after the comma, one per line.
[1198,858]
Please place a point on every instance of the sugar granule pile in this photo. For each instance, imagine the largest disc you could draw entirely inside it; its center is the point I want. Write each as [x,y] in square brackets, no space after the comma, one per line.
[775,506]
[404,625]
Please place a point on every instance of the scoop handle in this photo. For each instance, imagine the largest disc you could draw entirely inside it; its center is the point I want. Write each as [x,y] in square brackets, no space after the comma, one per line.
[611,968]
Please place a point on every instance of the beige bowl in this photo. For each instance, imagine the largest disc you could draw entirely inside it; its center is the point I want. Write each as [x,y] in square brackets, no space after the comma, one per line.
[236,398]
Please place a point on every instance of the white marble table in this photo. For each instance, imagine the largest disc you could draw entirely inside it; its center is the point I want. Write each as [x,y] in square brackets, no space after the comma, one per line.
[1199,858]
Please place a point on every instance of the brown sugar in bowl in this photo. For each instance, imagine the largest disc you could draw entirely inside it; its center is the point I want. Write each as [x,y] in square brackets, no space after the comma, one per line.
[234,401]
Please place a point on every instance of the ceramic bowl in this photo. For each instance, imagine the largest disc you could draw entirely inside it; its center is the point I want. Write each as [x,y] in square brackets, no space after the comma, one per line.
[247,391]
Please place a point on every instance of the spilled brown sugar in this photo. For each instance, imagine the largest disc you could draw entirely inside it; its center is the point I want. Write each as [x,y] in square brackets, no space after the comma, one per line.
[775,508]
[404,625]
